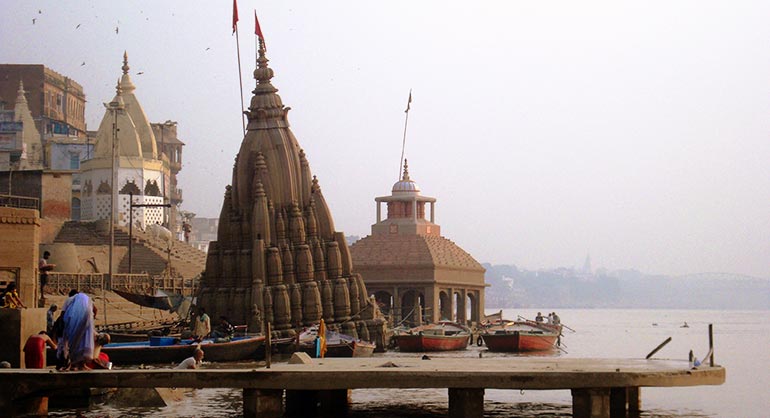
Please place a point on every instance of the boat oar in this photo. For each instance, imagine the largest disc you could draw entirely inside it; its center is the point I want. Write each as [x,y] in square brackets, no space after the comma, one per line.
[568,328]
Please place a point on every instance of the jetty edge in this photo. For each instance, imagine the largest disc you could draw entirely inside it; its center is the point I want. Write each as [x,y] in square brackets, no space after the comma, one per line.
[601,388]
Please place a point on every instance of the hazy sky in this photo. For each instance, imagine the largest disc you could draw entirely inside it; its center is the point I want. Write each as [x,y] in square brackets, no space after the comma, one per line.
[636,132]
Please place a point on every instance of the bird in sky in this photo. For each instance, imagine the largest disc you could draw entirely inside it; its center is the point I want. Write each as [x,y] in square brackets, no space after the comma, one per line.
[140,73]
[84,63]
[117,29]
[39,12]
[208,48]
[78,26]
[33,20]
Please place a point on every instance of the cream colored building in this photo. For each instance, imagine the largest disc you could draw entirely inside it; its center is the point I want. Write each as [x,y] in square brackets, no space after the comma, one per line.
[140,170]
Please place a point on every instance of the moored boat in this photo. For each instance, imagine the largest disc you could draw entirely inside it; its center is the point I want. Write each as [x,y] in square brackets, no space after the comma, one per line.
[443,336]
[172,350]
[337,344]
[522,336]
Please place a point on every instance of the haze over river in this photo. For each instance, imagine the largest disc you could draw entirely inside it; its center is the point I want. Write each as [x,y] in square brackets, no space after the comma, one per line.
[741,340]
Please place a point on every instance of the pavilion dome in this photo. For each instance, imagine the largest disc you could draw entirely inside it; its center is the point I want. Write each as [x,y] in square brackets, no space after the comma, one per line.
[406,185]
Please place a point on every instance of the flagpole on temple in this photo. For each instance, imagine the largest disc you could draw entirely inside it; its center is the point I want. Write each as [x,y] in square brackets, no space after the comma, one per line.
[403,144]
[240,74]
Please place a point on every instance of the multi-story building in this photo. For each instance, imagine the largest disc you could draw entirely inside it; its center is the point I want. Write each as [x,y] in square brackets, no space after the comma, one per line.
[57,102]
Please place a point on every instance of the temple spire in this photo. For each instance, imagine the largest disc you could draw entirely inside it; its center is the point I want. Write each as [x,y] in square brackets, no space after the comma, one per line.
[405,176]
[125,80]
[125,63]
[20,94]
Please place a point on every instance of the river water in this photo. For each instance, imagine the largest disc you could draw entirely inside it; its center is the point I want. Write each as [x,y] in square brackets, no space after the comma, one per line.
[741,340]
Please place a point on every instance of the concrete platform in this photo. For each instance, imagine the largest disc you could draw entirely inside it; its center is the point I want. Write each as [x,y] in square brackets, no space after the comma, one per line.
[594,382]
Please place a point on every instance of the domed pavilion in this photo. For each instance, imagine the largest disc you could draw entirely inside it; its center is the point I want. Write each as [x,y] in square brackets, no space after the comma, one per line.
[415,274]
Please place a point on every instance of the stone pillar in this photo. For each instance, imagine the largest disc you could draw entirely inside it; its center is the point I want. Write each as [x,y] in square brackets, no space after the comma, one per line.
[466,403]
[262,403]
[591,403]
[634,398]
[432,212]
[379,212]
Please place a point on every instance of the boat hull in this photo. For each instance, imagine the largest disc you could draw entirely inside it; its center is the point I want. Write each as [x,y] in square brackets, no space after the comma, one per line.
[523,337]
[248,348]
[419,343]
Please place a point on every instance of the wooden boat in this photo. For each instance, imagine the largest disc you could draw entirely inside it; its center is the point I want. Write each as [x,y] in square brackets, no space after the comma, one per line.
[444,336]
[172,350]
[522,336]
[159,300]
[337,345]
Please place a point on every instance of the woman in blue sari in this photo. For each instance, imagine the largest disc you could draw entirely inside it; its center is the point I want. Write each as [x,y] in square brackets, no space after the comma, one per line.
[78,340]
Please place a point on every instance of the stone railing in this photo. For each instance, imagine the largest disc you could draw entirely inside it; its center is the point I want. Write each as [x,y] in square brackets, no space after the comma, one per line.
[61,283]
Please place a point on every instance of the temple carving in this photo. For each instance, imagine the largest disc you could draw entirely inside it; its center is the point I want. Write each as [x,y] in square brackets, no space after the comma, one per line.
[277,258]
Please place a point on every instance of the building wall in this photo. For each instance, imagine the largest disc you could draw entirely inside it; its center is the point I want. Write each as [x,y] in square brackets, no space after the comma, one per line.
[61,155]
[19,249]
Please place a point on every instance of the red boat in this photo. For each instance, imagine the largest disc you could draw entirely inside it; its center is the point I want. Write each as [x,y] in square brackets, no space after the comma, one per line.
[444,336]
[522,336]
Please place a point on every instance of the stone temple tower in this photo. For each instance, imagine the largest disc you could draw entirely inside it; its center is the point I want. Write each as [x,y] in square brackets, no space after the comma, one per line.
[277,257]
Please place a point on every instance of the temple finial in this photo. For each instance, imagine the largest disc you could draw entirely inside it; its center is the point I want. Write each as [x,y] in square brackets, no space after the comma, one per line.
[405,177]
[125,63]
[20,94]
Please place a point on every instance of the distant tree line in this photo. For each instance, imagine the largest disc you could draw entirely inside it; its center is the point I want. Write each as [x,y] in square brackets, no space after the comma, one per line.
[511,287]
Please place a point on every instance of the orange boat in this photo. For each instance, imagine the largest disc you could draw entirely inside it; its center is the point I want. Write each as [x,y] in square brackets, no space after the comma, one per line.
[444,336]
[522,336]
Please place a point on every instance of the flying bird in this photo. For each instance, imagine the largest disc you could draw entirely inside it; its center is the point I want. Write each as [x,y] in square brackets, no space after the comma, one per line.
[117,29]
[39,12]
[84,63]
[78,26]
[140,73]
[208,48]
[33,20]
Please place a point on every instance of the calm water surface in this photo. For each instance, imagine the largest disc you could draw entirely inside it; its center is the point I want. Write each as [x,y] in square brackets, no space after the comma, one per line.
[742,341]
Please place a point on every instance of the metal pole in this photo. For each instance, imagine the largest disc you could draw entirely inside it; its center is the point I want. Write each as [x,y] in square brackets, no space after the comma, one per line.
[130,229]
[711,345]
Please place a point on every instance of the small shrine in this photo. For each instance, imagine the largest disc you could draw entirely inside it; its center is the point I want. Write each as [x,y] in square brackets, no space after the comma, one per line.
[139,169]
[415,274]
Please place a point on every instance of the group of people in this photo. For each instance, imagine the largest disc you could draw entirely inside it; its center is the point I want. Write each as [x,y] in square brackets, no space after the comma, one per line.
[551,319]
[201,327]
[72,335]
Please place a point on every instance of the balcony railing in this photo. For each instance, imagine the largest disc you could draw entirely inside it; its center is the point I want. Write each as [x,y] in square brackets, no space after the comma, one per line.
[21,202]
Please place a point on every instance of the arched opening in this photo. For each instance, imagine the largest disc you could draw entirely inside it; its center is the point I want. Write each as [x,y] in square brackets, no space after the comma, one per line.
[412,307]
[75,209]
[445,306]
[459,314]
[384,301]
[472,311]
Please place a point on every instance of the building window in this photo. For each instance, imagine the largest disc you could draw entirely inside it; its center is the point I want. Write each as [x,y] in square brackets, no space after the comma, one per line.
[74,162]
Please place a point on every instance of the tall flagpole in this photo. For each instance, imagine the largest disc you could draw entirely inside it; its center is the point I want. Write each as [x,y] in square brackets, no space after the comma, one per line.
[403,144]
[240,74]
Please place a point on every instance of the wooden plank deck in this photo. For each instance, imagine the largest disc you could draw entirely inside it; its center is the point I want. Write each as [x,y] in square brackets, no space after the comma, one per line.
[591,380]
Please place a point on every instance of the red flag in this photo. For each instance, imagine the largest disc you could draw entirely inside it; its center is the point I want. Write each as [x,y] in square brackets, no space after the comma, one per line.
[235,15]
[258,30]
